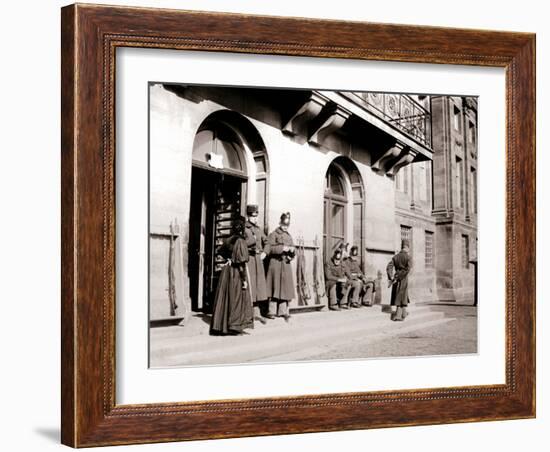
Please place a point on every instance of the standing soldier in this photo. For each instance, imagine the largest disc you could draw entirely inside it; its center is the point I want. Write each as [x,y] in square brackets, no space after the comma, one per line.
[255,240]
[280,281]
[335,278]
[398,274]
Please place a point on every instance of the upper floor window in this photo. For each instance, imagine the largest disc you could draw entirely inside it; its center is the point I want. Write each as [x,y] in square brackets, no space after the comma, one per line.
[460,182]
[471,132]
[456,118]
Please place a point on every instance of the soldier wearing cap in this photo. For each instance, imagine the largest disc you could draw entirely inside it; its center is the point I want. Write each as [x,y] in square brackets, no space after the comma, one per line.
[398,275]
[335,278]
[280,280]
[359,286]
[256,240]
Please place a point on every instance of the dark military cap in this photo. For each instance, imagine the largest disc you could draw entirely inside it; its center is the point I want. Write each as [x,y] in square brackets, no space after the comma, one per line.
[285,218]
[252,209]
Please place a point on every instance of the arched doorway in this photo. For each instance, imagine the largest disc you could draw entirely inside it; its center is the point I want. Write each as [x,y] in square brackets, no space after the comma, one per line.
[344,211]
[224,178]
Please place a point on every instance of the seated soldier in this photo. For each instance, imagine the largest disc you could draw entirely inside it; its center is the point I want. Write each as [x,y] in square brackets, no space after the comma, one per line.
[335,279]
[352,269]
[359,285]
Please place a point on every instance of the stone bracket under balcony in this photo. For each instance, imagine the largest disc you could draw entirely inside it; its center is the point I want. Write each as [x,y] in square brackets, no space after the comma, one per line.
[334,122]
[384,163]
[395,158]
[404,159]
[298,123]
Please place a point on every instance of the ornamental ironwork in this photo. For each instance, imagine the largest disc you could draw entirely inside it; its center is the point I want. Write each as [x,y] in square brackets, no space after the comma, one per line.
[402,111]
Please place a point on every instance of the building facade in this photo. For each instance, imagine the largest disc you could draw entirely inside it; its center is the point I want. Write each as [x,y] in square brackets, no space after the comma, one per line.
[366,169]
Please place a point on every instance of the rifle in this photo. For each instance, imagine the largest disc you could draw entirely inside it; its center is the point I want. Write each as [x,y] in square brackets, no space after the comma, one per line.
[303,288]
[171,273]
[316,277]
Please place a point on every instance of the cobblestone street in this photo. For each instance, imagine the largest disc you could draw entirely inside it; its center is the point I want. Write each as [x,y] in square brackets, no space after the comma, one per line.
[458,336]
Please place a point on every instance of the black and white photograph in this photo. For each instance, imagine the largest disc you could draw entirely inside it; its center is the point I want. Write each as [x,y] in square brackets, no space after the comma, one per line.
[310,225]
[235,225]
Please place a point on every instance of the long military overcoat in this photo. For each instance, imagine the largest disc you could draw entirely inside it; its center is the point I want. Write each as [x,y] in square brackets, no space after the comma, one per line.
[398,270]
[255,240]
[280,279]
[232,304]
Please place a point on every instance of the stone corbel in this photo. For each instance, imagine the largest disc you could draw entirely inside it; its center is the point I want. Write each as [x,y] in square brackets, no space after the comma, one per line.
[334,122]
[306,113]
[407,157]
[382,163]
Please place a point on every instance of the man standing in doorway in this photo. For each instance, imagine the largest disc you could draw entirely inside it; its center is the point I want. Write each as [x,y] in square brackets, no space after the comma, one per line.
[255,240]
[398,274]
[280,281]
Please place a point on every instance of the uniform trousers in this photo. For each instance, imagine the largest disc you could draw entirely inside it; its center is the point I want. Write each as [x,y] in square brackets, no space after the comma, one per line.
[333,293]
[278,307]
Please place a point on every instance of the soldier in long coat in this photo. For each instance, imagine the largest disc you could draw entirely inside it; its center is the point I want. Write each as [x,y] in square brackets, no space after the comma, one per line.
[335,278]
[256,240]
[398,274]
[280,280]
[232,312]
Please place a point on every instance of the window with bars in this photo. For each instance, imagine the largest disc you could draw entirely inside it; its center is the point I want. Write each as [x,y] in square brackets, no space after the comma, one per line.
[473,176]
[406,234]
[465,252]
[460,182]
[429,251]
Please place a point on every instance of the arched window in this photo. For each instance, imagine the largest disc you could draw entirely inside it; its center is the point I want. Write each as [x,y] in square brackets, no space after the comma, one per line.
[343,207]
[335,210]
[218,147]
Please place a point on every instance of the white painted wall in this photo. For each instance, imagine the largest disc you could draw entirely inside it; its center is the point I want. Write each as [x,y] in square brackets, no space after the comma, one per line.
[296,180]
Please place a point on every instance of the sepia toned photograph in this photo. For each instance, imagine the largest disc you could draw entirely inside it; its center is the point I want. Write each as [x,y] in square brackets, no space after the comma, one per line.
[310,225]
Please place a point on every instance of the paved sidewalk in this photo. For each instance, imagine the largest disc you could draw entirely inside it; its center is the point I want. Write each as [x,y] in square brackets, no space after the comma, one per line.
[356,333]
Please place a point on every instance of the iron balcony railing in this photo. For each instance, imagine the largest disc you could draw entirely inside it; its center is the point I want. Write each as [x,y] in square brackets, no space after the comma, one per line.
[405,113]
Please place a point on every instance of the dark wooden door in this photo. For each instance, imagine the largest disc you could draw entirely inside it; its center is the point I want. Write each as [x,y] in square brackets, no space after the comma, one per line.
[215,203]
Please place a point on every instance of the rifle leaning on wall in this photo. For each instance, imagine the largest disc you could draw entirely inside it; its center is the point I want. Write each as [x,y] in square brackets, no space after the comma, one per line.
[301,279]
[318,278]
[172,272]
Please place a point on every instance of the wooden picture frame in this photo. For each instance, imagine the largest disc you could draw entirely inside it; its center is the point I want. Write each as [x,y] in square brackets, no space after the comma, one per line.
[90,37]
